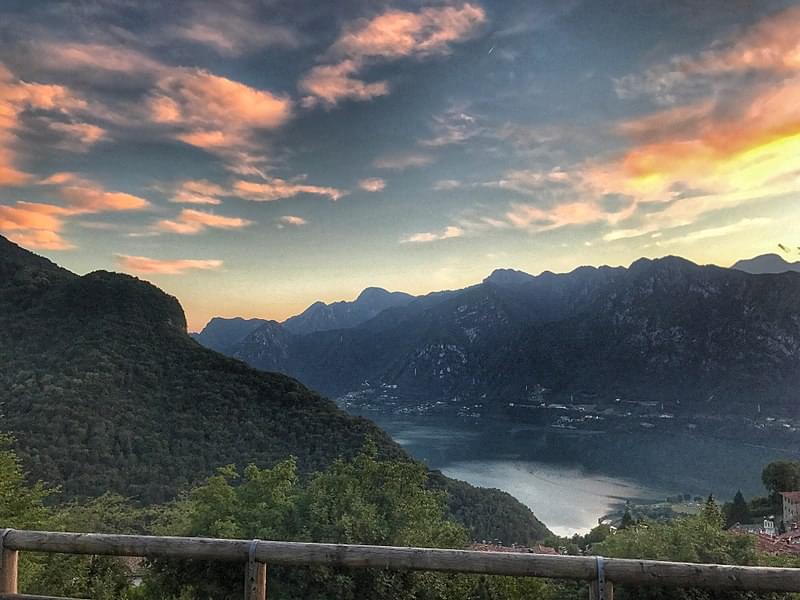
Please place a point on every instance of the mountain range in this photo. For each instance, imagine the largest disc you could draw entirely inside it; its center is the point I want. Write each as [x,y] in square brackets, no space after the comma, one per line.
[105,391]
[666,329]
[223,334]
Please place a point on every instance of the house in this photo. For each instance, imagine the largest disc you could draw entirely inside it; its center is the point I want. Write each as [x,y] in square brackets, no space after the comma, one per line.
[791,509]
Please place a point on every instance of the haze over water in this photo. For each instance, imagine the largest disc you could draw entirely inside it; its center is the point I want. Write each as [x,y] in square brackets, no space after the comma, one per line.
[571,479]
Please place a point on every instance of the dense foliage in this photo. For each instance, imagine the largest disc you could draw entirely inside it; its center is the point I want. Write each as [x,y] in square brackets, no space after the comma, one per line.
[105,392]
[364,500]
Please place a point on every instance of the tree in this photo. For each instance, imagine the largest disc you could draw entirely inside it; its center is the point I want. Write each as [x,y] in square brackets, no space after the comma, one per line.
[364,500]
[737,511]
[627,518]
[21,505]
[711,513]
[781,476]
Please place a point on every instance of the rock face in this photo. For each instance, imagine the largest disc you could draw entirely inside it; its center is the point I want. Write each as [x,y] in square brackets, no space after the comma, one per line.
[660,329]
[767,263]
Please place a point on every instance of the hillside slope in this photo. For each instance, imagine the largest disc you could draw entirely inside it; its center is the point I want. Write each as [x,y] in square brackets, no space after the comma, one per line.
[105,391]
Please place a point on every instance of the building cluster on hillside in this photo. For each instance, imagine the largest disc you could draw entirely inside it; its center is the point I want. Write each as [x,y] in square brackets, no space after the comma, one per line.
[497,547]
[783,540]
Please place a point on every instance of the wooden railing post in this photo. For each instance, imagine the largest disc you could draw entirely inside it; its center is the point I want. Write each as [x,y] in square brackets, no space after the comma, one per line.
[255,583]
[600,588]
[9,564]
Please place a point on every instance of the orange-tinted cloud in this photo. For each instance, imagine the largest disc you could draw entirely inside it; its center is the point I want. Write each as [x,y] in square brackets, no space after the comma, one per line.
[89,58]
[292,220]
[698,159]
[192,221]
[79,136]
[451,231]
[214,112]
[34,225]
[278,189]
[144,265]
[771,46]
[16,97]
[525,216]
[198,191]
[372,184]
[390,35]
[331,83]
[38,225]
[397,33]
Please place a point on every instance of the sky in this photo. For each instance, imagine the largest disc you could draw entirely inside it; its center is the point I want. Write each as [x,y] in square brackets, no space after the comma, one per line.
[253,156]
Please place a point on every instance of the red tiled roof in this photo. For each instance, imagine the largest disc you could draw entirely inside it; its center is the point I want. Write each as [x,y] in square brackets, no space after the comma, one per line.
[792,534]
[794,496]
[773,546]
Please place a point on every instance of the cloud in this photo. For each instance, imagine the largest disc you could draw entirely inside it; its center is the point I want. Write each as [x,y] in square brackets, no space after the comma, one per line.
[397,33]
[399,162]
[39,225]
[729,157]
[78,137]
[533,181]
[232,29]
[192,105]
[93,57]
[16,98]
[447,184]
[87,199]
[34,225]
[279,189]
[152,266]
[292,220]
[372,184]
[715,232]
[330,84]
[451,231]
[771,45]
[198,191]
[190,222]
[213,112]
[526,216]
[391,35]
[453,127]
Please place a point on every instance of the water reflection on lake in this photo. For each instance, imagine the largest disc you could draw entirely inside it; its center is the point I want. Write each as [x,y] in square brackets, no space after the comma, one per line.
[570,479]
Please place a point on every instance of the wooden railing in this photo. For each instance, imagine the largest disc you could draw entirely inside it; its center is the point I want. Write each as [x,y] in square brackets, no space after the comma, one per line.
[601,574]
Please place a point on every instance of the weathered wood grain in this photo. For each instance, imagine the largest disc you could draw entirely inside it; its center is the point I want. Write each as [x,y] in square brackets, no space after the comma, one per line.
[617,571]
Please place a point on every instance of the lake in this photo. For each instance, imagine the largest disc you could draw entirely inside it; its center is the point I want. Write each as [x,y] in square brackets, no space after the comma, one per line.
[570,479]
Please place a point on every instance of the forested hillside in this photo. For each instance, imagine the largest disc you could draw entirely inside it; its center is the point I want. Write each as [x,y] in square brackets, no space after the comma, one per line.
[105,391]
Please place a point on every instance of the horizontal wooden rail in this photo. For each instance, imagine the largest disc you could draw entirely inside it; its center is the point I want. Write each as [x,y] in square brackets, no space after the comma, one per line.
[583,568]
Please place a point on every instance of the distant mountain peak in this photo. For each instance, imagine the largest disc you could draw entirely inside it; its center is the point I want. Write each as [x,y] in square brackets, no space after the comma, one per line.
[342,315]
[371,293]
[766,263]
[662,263]
[508,277]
